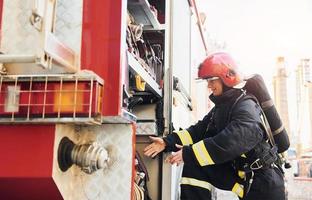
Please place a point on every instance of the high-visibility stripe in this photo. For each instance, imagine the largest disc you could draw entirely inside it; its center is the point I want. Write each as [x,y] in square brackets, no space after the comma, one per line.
[238,189]
[202,154]
[241,174]
[195,182]
[267,104]
[279,130]
[185,137]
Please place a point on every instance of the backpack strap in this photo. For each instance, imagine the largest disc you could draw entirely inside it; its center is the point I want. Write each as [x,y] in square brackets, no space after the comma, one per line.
[267,148]
[264,120]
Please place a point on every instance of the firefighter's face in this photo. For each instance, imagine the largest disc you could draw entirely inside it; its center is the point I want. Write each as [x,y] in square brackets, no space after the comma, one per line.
[215,86]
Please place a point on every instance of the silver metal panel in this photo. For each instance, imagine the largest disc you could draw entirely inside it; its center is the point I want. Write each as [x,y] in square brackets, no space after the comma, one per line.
[68,24]
[125,117]
[146,128]
[111,183]
[59,20]
[18,35]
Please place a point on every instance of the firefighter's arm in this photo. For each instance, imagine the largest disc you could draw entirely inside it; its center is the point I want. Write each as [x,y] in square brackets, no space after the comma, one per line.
[176,157]
[238,137]
[187,136]
[182,137]
[158,145]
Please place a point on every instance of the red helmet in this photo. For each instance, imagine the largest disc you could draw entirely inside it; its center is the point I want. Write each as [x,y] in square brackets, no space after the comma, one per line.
[220,65]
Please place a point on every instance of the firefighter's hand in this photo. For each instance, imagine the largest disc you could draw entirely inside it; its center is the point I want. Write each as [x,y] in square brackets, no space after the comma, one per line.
[155,148]
[176,157]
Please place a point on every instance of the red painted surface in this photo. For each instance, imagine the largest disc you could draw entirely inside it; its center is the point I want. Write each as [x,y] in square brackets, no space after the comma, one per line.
[1,8]
[26,162]
[102,50]
[29,188]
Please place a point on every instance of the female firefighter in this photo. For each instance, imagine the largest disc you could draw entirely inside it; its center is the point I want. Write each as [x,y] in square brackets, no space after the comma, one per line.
[231,139]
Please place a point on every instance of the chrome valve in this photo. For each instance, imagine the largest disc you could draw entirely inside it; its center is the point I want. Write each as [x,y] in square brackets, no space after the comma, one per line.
[89,157]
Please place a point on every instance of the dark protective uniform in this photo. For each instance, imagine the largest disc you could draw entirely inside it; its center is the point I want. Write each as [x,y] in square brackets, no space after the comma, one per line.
[225,144]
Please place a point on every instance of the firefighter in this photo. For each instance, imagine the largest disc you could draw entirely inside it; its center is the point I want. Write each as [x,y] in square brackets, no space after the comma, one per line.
[231,137]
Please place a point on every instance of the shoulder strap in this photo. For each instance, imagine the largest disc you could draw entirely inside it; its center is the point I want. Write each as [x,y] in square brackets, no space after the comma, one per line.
[234,104]
[264,120]
[267,128]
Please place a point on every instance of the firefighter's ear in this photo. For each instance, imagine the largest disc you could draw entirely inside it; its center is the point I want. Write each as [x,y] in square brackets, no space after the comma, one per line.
[231,73]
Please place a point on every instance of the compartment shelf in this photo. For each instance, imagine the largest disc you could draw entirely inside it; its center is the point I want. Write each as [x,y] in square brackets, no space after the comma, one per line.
[140,10]
[137,69]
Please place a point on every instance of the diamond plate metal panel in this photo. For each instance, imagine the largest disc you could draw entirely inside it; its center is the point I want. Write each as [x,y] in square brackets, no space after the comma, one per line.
[28,40]
[18,35]
[68,25]
[111,183]
[146,128]
[62,45]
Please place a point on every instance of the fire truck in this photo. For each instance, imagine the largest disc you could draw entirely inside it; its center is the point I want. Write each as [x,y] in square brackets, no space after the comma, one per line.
[83,83]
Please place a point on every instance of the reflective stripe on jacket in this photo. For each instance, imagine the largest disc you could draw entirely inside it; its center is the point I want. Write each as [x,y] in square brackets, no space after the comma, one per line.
[236,134]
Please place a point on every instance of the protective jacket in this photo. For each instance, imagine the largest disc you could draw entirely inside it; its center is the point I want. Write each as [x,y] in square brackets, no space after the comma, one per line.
[228,136]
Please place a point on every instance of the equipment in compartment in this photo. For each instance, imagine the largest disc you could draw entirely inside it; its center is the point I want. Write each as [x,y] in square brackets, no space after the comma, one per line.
[159,5]
[141,179]
[155,42]
[146,48]
[186,98]
[143,85]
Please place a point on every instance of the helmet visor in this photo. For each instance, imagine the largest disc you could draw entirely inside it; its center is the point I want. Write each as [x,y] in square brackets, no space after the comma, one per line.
[212,78]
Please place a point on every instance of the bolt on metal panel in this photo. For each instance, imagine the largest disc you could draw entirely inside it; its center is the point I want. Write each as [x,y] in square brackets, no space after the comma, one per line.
[47,30]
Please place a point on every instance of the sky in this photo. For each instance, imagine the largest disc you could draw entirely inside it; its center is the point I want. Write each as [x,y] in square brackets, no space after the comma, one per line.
[256,32]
